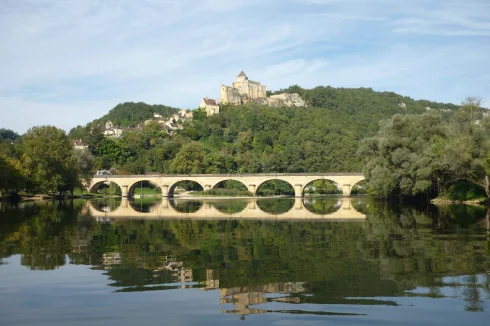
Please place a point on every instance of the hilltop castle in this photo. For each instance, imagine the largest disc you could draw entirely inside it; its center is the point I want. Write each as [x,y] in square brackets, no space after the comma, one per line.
[244,90]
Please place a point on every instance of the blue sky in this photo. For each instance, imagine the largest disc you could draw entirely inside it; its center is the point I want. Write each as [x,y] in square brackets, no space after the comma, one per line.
[68,62]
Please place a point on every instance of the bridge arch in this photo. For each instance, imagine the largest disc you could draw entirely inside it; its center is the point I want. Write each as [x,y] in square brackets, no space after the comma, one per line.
[240,185]
[359,188]
[135,184]
[169,190]
[297,191]
[334,189]
[102,183]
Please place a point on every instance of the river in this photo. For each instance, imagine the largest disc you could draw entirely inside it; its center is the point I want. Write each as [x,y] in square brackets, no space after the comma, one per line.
[311,261]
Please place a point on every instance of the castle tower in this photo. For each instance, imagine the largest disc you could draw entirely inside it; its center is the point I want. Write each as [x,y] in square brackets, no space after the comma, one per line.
[242,90]
[241,77]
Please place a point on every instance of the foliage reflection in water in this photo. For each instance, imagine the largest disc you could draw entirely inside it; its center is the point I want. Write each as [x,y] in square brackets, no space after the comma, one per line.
[276,206]
[400,259]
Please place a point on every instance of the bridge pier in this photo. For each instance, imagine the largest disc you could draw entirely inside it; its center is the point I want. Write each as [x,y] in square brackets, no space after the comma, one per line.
[125,191]
[298,204]
[298,190]
[346,190]
[124,202]
[251,189]
[165,189]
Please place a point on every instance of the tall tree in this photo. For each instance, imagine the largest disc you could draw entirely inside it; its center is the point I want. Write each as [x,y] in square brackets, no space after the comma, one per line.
[465,154]
[85,165]
[52,162]
[190,159]
[401,158]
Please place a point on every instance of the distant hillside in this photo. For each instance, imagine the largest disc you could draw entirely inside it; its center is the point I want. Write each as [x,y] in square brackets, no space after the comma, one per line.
[250,138]
[129,114]
[322,137]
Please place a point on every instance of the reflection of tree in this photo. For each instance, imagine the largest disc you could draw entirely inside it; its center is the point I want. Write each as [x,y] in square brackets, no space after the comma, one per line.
[416,246]
[144,204]
[322,205]
[186,206]
[276,206]
[45,232]
[396,249]
[106,204]
[230,206]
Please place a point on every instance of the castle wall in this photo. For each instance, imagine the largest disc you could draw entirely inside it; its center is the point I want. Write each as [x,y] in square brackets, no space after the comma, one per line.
[230,95]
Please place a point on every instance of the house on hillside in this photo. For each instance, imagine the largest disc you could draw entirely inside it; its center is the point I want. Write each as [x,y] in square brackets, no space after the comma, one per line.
[79,144]
[210,105]
[112,131]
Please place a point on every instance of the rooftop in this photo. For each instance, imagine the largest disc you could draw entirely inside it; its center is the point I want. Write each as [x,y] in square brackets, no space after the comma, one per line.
[209,101]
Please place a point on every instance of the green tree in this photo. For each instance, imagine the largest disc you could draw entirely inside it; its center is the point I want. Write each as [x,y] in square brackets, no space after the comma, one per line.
[464,155]
[13,175]
[7,134]
[114,149]
[52,161]
[85,166]
[190,159]
[401,159]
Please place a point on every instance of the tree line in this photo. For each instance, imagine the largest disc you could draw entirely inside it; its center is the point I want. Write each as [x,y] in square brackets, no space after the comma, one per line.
[323,137]
[427,155]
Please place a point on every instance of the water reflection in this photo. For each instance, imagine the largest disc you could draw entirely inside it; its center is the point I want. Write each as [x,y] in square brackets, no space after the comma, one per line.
[185,205]
[142,204]
[276,206]
[322,205]
[398,256]
[230,207]
[287,208]
[106,205]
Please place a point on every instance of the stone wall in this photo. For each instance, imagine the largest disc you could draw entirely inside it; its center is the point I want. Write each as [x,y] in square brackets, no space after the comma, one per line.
[230,95]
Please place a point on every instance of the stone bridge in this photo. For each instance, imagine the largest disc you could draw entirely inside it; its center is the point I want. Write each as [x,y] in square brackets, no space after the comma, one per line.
[209,209]
[168,183]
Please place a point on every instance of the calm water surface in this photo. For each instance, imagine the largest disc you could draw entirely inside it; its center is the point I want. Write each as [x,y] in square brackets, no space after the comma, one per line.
[283,261]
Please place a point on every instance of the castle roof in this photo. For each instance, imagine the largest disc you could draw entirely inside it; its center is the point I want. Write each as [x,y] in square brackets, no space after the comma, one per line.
[209,101]
[241,74]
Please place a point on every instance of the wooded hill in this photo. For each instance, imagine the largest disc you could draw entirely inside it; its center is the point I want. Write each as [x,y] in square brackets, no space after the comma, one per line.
[322,137]
[129,114]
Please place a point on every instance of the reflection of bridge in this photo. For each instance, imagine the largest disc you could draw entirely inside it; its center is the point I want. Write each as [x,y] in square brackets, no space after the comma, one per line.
[168,183]
[251,210]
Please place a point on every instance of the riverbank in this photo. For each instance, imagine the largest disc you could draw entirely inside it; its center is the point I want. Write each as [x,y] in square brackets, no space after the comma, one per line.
[447,201]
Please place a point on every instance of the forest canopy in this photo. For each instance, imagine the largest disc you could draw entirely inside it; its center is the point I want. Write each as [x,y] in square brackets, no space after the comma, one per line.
[250,138]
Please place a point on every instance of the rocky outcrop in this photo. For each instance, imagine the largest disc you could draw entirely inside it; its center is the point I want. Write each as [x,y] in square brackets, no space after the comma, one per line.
[286,99]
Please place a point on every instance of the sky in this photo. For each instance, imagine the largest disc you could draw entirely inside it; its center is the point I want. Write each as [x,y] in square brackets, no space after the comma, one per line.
[67,62]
